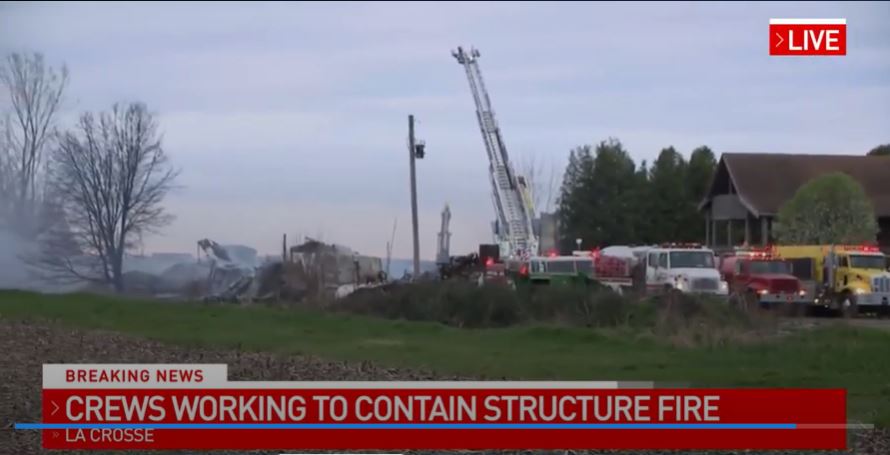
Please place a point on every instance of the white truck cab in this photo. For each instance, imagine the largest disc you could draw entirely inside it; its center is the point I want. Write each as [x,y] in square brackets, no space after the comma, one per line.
[686,268]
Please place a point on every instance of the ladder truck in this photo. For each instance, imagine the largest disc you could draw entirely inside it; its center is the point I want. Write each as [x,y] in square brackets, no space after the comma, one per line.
[513,227]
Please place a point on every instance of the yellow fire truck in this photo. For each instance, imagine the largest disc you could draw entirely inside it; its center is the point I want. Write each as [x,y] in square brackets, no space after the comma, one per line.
[844,278]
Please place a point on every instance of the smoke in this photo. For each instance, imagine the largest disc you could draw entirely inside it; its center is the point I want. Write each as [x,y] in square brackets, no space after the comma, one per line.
[13,271]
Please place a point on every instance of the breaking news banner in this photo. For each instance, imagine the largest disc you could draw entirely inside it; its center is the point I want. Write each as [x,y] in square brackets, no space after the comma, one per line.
[172,406]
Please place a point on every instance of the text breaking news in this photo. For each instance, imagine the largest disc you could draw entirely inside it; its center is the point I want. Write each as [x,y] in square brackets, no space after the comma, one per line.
[195,406]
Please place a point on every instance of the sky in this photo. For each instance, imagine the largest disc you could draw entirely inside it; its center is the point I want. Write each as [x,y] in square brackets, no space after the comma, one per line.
[292,117]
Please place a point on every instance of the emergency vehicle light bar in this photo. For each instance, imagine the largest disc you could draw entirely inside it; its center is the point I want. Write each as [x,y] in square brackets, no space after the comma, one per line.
[864,248]
[680,245]
[766,252]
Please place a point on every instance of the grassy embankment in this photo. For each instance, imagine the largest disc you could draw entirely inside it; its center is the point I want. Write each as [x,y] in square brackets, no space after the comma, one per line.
[856,359]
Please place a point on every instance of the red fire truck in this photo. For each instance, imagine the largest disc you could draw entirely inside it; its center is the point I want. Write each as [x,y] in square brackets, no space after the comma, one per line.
[759,276]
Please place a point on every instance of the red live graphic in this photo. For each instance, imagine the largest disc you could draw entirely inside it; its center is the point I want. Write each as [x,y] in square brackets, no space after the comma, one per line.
[805,37]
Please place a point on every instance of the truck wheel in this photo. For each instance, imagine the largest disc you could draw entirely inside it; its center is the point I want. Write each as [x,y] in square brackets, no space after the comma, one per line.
[847,305]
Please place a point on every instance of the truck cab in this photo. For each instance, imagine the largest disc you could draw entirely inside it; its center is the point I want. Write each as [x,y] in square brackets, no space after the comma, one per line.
[495,273]
[686,268]
[758,275]
[860,277]
[849,278]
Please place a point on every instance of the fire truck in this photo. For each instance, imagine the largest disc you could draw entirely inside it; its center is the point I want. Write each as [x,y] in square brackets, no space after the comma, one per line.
[497,273]
[759,276]
[582,267]
[687,268]
[612,271]
[847,278]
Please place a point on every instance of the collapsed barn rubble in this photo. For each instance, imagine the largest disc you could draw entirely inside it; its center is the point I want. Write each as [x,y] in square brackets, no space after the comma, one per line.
[235,273]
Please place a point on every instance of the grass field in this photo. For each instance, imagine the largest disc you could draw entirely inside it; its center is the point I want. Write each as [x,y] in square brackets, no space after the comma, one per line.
[856,359]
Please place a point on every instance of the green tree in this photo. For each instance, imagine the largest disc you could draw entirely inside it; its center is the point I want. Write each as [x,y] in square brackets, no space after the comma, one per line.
[702,165]
[829,209]
[598,201]
[669,197]
[606,199]
[570,205]
[644,229]
[609,190]
[881,150]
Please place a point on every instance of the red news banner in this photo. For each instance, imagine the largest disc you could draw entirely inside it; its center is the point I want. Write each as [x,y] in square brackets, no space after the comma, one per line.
[197,407]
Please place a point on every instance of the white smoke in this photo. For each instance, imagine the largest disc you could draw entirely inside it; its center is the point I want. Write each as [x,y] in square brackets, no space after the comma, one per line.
[13,271]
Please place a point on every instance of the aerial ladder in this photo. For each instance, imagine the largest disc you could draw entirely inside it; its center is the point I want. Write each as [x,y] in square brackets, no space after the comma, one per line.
[392,240]
[513,227]
[443,254]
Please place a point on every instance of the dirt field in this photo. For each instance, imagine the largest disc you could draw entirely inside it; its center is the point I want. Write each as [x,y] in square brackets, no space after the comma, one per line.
[24,347]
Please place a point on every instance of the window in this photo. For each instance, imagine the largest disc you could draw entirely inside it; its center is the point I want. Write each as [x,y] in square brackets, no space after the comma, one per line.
[692,259]
[738,267]
[653,259]
[536,267]
[862,261]
[663,260]
[584,266]
[561,266]
[843,262]
[770,267]
[802,268]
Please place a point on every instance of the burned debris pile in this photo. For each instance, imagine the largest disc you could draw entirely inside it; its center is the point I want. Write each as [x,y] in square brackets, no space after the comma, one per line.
[235,273]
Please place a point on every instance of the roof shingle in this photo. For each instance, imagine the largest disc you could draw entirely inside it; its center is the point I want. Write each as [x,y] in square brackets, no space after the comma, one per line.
[765,181]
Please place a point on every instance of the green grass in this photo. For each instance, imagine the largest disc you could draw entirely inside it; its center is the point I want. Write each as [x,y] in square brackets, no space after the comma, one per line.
[855,359]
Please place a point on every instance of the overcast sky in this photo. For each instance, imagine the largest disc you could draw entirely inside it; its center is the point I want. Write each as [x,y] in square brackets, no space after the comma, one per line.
[292,118]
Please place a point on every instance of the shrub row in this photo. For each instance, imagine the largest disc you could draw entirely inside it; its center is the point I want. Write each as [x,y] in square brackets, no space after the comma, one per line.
[463,304]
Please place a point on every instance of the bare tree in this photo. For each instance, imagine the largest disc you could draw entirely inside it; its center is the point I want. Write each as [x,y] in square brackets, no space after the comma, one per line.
[542,181]
[7,186]
[109,176]
[35,93]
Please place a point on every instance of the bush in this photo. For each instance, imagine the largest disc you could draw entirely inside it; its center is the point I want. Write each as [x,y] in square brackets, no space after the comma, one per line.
[456,303]
[463,304]
[692,320]
[681,318]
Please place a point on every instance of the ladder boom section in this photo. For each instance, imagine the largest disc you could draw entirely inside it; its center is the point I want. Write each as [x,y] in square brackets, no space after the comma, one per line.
[514,217]
[443,249]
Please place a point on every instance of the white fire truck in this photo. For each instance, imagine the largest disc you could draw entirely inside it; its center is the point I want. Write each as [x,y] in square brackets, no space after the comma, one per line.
[688,268]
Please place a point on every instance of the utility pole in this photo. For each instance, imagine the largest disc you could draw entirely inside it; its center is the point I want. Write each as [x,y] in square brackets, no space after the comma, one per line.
[411,153]
[284,247]
[415,151]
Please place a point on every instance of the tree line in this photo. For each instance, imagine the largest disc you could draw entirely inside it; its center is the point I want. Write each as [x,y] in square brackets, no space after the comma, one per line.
[607,199]
[83,194]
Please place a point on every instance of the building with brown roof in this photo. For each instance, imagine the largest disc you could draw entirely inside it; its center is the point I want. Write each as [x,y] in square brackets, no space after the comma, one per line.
[748,189]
